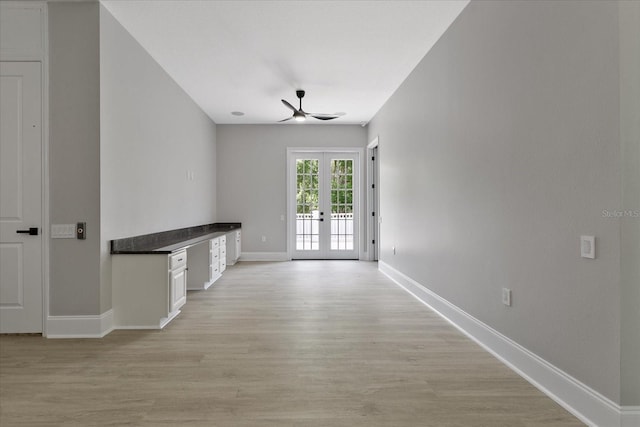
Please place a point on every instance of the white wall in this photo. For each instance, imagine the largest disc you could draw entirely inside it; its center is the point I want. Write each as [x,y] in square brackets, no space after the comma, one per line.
[252,175]
[152,136]
[497,153]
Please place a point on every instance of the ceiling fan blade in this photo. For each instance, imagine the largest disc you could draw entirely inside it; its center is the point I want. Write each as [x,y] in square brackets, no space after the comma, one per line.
[294,109]
[323,116]
[284,120]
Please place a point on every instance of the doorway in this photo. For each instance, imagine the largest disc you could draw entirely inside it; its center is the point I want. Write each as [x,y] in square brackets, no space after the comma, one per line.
[323,197]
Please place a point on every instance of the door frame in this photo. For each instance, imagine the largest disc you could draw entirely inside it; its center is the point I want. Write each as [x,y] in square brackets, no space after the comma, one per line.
[41,56]
[290,200]
[373,199]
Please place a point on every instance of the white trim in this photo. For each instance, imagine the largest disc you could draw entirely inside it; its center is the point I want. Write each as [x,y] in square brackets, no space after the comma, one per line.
[582,401]
[371,220]
[91,326]
[630,416]
[45,175]
[164,321]
[264,256]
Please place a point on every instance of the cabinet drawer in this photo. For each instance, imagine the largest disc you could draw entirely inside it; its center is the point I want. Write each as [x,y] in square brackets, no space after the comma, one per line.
[214,271]
[178,260]
[214,243]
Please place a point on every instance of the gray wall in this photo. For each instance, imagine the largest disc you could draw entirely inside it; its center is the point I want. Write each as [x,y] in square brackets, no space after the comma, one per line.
[74,160]
[152,136]
[630,231]
[123,136]
[497,153]
[252,175]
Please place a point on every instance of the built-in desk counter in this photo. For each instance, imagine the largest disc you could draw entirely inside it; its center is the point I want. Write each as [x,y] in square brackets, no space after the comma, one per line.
[167,242]
[151,273]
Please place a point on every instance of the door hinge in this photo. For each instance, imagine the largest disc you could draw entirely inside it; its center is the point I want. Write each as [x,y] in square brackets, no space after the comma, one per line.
[373,214]
[373,242]
[373,158]
[373,186]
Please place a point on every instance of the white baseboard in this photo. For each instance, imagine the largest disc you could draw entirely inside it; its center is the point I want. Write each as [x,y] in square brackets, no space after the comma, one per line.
[264,256]
[92,326]
[582,401]
[630,416]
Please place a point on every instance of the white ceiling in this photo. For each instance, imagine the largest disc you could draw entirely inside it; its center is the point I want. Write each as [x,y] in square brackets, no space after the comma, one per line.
[350,56]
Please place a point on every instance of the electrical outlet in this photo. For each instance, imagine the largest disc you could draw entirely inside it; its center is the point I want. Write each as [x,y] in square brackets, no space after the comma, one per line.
[506,297]
[264,238]
[394,250]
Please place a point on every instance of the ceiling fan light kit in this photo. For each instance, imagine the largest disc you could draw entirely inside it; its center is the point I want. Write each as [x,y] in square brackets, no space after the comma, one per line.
[299,115]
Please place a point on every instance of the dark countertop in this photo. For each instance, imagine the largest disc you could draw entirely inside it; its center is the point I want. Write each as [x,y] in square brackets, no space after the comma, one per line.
[166,242]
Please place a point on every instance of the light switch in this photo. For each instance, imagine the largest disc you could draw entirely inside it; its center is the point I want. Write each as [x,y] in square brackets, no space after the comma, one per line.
[63,231]
[588,247]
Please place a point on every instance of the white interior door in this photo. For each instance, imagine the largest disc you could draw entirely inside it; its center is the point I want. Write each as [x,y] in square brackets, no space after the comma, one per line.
[324,208]
[20,197]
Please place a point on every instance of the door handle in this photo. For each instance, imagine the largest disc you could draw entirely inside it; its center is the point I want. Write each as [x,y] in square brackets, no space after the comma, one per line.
[32,231]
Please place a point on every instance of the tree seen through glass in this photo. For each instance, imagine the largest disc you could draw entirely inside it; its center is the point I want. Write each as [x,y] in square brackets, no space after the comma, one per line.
[341,186]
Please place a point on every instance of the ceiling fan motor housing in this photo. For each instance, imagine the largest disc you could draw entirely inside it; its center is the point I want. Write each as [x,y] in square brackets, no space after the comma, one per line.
[300,94]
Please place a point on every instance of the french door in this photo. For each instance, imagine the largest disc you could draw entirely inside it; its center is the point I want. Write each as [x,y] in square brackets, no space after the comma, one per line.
[324,211]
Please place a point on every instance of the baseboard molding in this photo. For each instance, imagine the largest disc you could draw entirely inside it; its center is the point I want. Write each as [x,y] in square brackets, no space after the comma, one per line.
[630,416]
[264,256]
[582,401]
[92,326]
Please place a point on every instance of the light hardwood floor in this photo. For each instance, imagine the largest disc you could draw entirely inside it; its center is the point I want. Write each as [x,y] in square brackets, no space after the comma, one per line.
[304,343]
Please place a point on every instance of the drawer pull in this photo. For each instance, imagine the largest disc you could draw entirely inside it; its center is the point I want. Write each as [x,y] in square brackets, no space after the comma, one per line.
[179,259]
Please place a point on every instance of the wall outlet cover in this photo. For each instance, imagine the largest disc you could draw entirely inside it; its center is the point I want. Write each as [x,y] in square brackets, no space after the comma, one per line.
[506,296]
[588,247]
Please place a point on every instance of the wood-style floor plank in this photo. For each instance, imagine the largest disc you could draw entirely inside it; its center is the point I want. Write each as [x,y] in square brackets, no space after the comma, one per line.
[304,343]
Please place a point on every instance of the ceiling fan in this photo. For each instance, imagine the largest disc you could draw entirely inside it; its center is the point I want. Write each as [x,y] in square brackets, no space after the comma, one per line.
[300,115]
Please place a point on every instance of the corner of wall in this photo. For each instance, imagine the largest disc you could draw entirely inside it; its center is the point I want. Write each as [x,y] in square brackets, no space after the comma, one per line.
[629,22]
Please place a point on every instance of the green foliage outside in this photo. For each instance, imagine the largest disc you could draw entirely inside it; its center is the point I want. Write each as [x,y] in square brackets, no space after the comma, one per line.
[341,186]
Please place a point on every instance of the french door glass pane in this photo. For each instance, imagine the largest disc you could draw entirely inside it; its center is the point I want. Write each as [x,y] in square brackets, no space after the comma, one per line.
[307,211]
[341,204]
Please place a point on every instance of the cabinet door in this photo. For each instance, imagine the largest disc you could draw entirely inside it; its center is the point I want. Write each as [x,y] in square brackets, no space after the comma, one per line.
[178,291]
[237,248]
[223,256]
[214,261]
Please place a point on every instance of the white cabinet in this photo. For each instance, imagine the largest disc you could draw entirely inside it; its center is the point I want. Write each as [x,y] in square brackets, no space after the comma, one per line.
[223,253]
[148,289]
[178,281]
[233,246]
[207,261]
[150,284]
[201,275]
